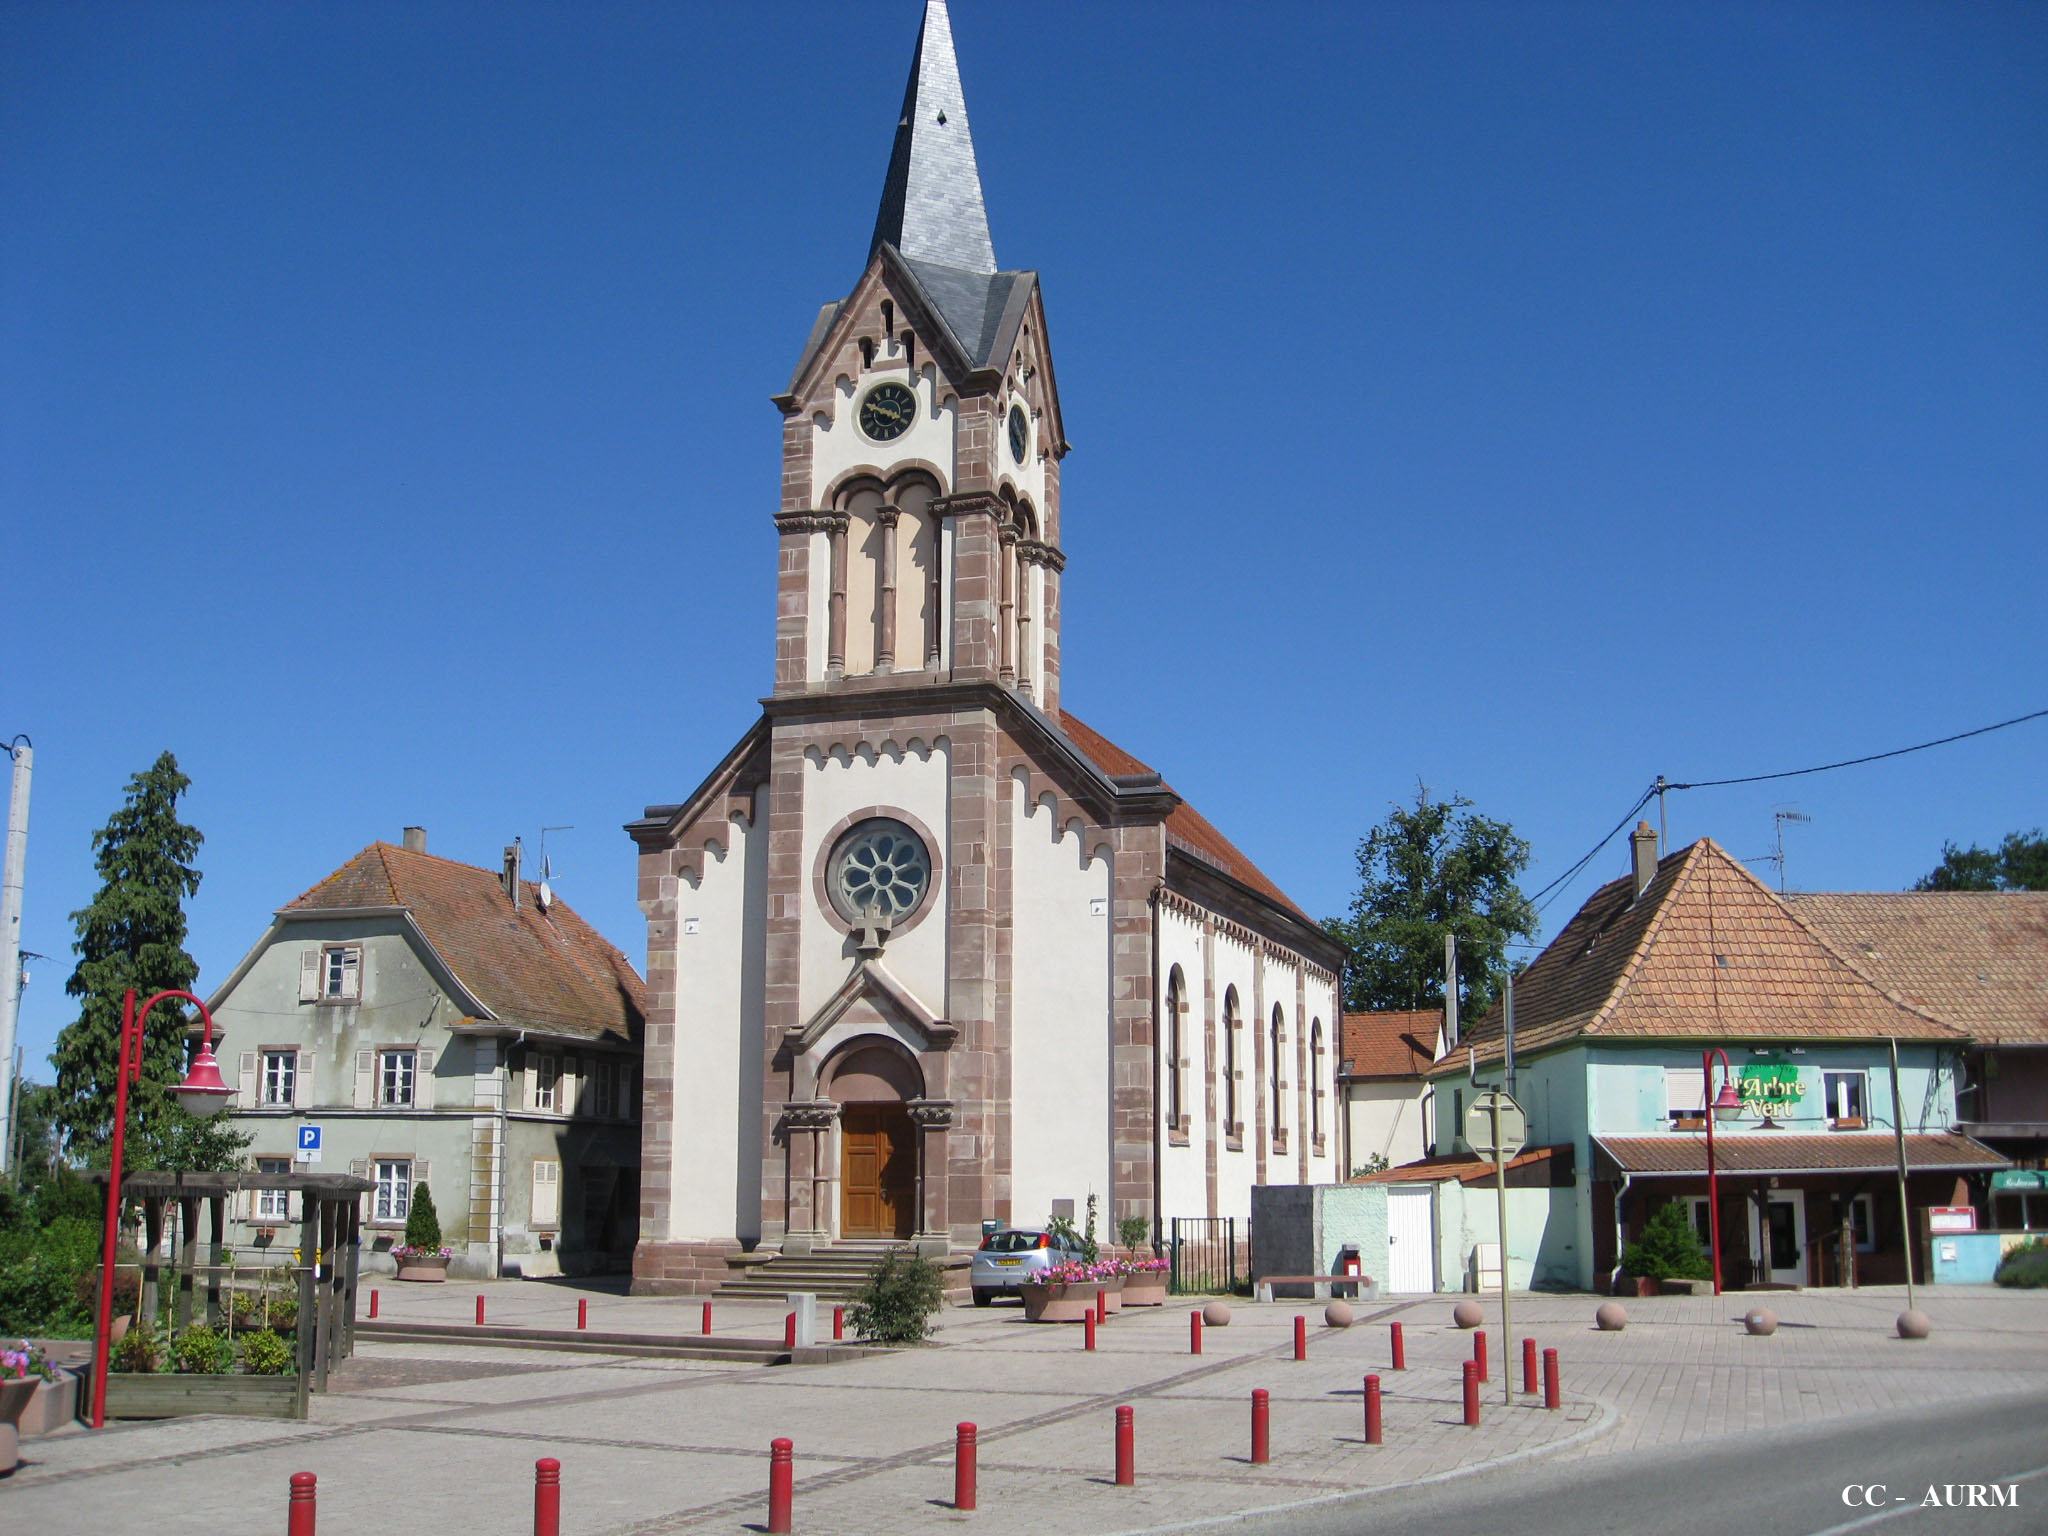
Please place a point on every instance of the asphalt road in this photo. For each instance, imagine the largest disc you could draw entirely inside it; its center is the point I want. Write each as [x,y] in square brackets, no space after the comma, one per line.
[1774,1483]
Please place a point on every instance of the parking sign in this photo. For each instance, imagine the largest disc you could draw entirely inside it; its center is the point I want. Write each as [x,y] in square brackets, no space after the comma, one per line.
[309,1143]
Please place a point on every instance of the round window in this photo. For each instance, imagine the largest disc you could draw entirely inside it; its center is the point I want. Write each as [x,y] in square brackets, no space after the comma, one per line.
[879,872]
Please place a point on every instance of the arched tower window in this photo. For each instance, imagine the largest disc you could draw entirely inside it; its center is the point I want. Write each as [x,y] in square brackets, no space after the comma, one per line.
[1176,1051]
[1233,1127]
[1279,1077]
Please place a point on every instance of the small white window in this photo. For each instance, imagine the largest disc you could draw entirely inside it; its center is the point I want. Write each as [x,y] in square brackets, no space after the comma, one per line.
[547,1077]
[547,1193]
[394,1189]
[273,1204]
[1844,1093]
[280,1077]
[1685,1097]
[395,1073]
[341,973]
[1863,1222]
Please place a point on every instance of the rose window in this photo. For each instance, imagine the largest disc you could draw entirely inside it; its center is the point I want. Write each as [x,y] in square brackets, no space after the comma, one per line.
[879,873]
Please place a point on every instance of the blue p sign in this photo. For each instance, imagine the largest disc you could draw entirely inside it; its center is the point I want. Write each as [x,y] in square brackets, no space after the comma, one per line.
[309,1138]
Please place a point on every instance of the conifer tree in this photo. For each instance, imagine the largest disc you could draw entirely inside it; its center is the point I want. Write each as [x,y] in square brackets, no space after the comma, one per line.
[133,935]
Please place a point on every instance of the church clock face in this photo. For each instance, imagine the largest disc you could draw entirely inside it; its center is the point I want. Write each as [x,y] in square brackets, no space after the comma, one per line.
[1020,434]
[887,412]
[879,872]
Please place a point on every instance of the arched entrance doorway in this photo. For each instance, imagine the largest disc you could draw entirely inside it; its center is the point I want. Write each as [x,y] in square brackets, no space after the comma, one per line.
[873,1086]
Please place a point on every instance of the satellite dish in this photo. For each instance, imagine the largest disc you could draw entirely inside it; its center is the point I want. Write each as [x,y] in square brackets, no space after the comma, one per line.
[547,896]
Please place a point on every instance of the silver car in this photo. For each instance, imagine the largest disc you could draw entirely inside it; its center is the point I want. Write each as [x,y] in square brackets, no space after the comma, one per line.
[1014,1257]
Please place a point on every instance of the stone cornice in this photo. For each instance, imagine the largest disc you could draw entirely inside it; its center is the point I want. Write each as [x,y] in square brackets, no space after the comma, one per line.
[1038,552]
[810,520]
[966,504]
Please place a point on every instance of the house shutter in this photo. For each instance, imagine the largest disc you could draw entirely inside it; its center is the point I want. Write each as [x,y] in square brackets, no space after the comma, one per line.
[251,1080]
[423,1080]
[366,1202]
[366,1079]
[309,975]
[352,973]
[302,1080]
[1685,1090]
[567,1088]
[546,1209]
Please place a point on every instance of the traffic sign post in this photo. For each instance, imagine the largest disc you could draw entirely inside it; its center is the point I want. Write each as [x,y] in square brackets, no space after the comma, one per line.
[1496,1127]
[309,1144]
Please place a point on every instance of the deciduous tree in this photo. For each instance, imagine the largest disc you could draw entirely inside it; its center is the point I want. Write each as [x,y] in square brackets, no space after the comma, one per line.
[2020,863]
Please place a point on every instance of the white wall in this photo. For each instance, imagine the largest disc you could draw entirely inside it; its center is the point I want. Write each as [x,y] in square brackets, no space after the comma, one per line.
[838,445]
[1060,1027]
[1183,1171]
[1387,1118]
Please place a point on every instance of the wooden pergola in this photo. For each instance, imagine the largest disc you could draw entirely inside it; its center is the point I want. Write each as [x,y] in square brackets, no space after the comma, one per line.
[330,1244]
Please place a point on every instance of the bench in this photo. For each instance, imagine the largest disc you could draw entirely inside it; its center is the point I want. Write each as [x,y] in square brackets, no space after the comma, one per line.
[1322,1286]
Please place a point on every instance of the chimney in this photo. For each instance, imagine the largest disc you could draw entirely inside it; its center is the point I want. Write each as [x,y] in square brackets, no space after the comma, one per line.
[1643,847]
[415,839]
[511,875]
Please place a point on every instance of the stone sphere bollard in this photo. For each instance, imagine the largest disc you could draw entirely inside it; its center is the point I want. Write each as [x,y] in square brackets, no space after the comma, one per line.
[1216,1315]
[1468,1314]
[1338,1314]
[1761,1321]
[1611,1318]
[1915,1324]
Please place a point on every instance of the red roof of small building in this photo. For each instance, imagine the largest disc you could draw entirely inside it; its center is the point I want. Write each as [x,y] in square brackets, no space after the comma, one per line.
[1398,1043]
[1677,1153]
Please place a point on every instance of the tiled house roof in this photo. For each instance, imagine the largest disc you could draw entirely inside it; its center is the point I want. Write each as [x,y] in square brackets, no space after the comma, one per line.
[1979,959]
[1186,828]
[1398,1043]
[1653,1155]
[547,971]
[1707,953]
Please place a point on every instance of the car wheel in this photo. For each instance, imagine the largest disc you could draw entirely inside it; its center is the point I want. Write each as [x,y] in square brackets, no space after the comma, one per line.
[982,1298]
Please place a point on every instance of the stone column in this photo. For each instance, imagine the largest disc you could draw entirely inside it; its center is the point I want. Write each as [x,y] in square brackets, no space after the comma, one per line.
[1006,610]
[805,1126]
[933,1119]
[886,517]
[835,636]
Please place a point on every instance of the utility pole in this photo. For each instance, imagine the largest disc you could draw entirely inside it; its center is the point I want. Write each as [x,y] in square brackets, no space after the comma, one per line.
[1899,1147]
[1507,1021]
[10,930]
[1450,990]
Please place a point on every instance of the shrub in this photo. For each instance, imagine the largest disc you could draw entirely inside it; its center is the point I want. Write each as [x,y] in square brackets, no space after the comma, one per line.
[199,1351]
[1132,1231]
[284,1314]
[268,1354]
[141,1348]
[46,1277]
[1669,1248]
[2025,1266]
[422,1225]
[898,1300]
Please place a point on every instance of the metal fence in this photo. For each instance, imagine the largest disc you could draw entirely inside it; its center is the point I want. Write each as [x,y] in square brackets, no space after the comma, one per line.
[1203,1250]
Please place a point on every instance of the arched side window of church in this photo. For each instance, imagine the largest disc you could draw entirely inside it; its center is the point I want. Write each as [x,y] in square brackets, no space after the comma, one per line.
[1176,1050]
[918,602]
[1029,584]
[1279,1043]
[1233,1122]
[1315,1081]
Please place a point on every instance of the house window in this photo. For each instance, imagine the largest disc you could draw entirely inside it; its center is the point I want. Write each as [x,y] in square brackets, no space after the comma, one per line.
[547,1080]
[394,1189]
[1863,1222]
[605,1090]
[273,1204]
[546,1210]
[1685,1098]
[1845,1095]
[1702,1220]
[280,1077]
[341,973]
[395,1072]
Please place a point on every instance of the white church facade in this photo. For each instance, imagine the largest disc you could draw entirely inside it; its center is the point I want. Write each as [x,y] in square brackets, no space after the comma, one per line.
[924,949]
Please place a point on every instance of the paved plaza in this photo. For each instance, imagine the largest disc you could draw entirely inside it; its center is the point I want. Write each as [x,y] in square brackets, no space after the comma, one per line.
[444,1436]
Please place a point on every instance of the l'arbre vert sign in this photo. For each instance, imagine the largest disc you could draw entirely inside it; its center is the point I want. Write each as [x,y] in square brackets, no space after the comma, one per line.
[1767,1084]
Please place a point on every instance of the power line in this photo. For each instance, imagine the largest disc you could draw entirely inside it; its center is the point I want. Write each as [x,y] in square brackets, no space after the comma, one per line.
[1875,757]
[1594,853]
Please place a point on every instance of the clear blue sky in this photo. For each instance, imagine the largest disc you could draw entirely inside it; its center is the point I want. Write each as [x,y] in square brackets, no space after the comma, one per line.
[1528,399]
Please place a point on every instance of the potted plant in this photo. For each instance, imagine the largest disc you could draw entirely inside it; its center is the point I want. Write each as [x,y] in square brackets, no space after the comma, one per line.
[421,1256]
[23,1372]
[1669,1249]
[1066,1295]
[1145,1283]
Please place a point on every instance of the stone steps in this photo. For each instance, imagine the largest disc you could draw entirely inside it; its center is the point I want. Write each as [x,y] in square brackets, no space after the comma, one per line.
[834,1274]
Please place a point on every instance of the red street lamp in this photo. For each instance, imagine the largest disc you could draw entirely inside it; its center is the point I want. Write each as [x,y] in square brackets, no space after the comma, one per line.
[203,1094]
[1723,1106]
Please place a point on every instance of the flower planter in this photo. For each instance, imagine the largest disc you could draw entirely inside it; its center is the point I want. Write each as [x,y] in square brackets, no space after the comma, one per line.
[431,1272]
[1645,1286]
[1146,1290]
[1113,1295]
[1068,1302]
[45,1409]
[139,1395]
[15,1393]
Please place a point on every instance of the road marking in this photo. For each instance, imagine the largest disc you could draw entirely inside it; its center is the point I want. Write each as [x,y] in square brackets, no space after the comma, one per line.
[1865,1522]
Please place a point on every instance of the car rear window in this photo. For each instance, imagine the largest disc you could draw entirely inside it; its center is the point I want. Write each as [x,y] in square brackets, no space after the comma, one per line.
[1009,1242]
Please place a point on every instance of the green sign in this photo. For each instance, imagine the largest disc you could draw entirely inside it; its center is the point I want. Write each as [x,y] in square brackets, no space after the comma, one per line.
[2019,1178]
[1767,1083]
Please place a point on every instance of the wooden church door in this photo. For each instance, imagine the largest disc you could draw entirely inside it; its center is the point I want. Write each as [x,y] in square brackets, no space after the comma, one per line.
[877,1171]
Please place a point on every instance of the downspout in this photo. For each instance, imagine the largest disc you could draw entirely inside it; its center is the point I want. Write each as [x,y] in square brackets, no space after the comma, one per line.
[1620,1229]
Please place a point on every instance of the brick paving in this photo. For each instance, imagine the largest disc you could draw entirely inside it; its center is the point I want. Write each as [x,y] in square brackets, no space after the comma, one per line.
[447,1433]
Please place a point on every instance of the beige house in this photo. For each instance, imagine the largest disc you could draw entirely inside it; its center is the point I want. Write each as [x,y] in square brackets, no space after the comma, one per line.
[924,949]
[1381,1060]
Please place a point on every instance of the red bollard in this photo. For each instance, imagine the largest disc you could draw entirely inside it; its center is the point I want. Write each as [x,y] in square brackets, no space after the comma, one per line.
[582,1312]
[479,1311]
[707,1319]
[373,1303]
[300,1512]
[781,1485]
[964,1459]
[547,1497]
[1195,1331]
[839,1322]
[1400,1347]
[1126,1448]
[1102,1306]
[1087,1330]
[1372,1410]
[1479,1354]
[789,1331]
[1471,1394]
[1262,1426]
[1528,1365]
[1550,1378]
[1300,1337]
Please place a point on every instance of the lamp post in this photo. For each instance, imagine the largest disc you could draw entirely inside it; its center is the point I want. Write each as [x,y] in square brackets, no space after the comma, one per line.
[202,1093]
[1721,1106]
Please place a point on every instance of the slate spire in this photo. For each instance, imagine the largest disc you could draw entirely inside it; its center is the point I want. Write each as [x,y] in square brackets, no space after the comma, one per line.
[931,204]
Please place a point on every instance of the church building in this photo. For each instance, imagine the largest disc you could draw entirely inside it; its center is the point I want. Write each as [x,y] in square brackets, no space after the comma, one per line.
[924,950]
